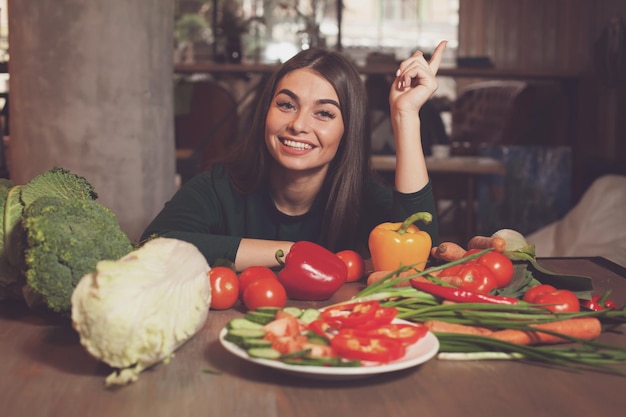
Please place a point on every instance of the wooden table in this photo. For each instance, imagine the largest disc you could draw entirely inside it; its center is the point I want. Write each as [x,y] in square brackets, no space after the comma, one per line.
[45,372]
[458,169]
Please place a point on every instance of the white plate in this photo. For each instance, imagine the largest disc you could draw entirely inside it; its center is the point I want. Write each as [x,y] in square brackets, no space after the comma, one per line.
[416,354]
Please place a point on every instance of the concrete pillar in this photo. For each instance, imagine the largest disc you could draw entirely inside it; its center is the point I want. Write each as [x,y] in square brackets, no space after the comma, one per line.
[91,91]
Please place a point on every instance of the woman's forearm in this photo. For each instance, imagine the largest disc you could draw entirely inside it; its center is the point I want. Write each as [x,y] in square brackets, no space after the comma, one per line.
[411,172]
[259,252]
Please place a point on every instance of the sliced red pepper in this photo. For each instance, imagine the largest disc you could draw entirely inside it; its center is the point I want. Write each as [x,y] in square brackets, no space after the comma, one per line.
[407,334]
[351,315]
[375,349]
[382,316]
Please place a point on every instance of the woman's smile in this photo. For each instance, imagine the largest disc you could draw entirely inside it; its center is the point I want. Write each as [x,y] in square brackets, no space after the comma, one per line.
[297,145]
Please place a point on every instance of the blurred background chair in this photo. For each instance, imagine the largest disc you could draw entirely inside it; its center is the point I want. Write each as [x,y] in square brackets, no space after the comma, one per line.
[206,124]
[509,112]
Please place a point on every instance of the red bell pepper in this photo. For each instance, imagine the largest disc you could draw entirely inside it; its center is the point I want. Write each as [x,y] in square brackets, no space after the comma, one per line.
[311,272]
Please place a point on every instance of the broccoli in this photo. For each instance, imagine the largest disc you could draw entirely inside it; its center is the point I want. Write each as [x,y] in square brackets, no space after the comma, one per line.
[65,239]
[56,182]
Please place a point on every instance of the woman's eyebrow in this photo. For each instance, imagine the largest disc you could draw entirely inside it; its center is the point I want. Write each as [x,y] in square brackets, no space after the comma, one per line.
[320,101]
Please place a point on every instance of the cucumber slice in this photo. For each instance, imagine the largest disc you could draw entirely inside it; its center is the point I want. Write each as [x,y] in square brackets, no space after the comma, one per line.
[294,311]
[268,310]
[243,323]
[238,336]
[309,315]
[304,361]
[260,317]
[256,343]
[264,353]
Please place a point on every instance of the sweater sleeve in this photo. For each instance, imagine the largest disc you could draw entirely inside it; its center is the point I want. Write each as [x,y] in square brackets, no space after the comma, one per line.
[196,214]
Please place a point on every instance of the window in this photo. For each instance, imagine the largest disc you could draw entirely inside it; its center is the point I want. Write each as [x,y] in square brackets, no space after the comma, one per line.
[399,27]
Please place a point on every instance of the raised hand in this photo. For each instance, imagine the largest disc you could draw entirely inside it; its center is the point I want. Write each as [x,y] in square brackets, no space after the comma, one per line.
[415,81]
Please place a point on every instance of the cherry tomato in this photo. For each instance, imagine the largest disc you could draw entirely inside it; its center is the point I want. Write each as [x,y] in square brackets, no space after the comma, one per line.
[533,292]
[560,301]
[500,266]
[264,292]
[224,287]
[355,264]
[253,273]
[477,278]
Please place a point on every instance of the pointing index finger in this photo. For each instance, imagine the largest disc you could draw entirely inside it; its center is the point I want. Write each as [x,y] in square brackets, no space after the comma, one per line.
[435,59]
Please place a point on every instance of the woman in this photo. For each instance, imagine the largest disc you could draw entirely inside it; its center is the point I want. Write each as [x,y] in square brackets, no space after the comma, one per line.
[303,172]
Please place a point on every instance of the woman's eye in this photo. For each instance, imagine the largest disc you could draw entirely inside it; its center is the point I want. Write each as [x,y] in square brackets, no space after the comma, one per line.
[285,105]
[326,114]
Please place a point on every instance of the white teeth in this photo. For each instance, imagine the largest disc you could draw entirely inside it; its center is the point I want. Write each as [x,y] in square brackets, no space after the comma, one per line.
[297,145]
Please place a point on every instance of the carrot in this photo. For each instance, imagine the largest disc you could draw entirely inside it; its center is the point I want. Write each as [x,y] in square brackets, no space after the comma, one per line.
[378,275]
[448,251]
[587,328]
[484,242]
[445,327]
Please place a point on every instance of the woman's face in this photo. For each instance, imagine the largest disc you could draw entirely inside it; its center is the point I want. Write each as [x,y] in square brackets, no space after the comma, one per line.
[304,124]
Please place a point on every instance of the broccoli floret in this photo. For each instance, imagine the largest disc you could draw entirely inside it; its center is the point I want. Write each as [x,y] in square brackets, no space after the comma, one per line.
[65,239]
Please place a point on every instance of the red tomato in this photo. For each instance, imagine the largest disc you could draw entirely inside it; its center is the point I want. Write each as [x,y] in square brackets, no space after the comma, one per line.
[355,264]
[264,292]
[477,278]
[533,292]
[224,287]
[560,301]
[253,273]
[500,266]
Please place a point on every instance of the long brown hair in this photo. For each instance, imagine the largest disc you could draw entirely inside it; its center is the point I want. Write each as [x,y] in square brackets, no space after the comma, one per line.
[248,166]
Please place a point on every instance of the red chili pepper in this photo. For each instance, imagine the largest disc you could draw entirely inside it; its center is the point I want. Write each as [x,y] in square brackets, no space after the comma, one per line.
[311,272]
[459,295]
[376,349]
[599,303]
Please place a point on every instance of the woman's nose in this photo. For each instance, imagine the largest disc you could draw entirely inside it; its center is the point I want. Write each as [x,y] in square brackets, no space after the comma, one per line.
[298,122]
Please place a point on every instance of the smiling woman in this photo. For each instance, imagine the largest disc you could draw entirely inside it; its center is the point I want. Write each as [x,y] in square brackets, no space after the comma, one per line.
[302,171]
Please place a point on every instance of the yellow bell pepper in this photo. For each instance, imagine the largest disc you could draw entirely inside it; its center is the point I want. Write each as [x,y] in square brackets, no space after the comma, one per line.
[393,245]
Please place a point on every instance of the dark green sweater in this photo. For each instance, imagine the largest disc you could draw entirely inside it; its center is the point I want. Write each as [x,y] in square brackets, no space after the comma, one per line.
[209,213]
